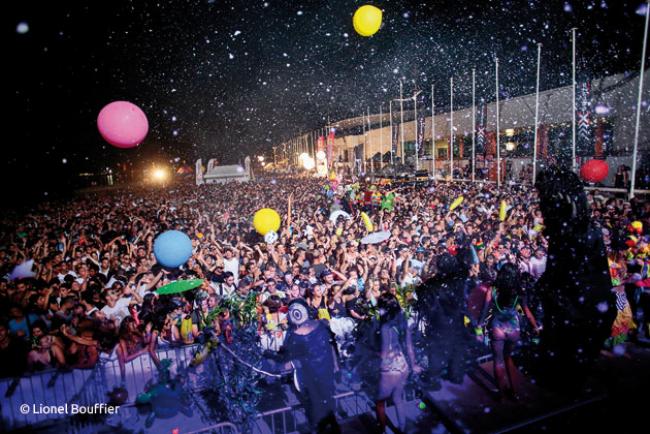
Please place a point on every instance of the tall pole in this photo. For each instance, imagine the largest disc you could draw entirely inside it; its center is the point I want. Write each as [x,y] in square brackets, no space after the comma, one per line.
[498,126]
[363,126]
[451,128]
[473,124]
[381,136]
[433,134]
[311,148]
[372,160]
[638,102]
[390,115]
[415,101]
[539,60]
[573,87]
[401,120]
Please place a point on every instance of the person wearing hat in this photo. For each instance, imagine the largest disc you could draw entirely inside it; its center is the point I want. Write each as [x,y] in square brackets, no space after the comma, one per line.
[308,345]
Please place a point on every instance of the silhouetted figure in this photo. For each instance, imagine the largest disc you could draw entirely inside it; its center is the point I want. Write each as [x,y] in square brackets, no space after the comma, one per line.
[575,289]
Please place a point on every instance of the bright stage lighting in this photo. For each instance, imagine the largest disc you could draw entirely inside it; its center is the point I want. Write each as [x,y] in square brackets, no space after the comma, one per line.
[308,163]
[159,174]
[320,155]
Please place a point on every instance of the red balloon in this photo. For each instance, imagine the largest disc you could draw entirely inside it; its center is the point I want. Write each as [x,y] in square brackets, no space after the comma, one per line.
[594,170]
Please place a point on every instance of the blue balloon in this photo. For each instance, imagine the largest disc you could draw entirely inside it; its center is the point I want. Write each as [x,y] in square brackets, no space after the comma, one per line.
[172,248]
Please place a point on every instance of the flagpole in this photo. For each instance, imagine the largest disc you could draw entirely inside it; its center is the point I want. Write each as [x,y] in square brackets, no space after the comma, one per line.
[473,124]
[313,146]
[390,114]
[539,60]
[372,159]
[496,65]
[573,86]
[363,126]
[381,136]
[415,102]
[401,121]
[638,103]
[433,134]
[451,128]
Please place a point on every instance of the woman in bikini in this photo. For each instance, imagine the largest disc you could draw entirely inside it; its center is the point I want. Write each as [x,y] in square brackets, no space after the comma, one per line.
[132,344]
[503,325]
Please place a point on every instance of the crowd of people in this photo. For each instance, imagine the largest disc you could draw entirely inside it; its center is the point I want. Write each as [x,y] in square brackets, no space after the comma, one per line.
[95,274]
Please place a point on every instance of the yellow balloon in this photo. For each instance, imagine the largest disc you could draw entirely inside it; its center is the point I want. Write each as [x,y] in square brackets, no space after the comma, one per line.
[367,222]
[367,20]
[266,220]
[502,211]
[455,203]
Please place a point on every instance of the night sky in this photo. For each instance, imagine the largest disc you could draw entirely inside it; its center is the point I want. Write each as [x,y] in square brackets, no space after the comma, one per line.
[224,79]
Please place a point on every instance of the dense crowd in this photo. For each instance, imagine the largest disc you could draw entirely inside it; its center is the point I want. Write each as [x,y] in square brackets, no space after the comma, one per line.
[95,273]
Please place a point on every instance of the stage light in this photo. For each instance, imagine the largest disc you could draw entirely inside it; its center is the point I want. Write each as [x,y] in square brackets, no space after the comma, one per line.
[320,155]
[510,146]
[260,158]
[510,132]
[303,157]
[308,163]
[159,174]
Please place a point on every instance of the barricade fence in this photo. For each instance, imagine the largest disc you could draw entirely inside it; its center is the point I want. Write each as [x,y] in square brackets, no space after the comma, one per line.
[85,387]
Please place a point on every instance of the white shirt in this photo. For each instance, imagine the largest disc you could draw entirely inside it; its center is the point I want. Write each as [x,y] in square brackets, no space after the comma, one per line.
[119,311]
[61,277]
[232,265]
[538,266]
[417,266]
[224,290]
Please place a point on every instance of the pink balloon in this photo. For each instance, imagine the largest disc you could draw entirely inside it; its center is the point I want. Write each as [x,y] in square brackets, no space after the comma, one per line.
[122,124]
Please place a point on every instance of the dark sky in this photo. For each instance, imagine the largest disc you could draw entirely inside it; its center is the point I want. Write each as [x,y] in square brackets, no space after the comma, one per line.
[226,78]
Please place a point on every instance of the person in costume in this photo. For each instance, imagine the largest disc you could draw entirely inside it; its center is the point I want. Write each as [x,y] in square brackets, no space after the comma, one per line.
[309,347]
[396,346]
[504,328]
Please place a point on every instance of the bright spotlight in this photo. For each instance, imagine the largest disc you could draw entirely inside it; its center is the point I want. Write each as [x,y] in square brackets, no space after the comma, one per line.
[308,163]
[159,175]
[303,157]
[320,155]
[260,158]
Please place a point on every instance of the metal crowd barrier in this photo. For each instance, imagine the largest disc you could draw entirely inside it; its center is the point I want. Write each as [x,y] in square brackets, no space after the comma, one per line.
[291,418]
[90,386]
[82,386]
[220,428]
